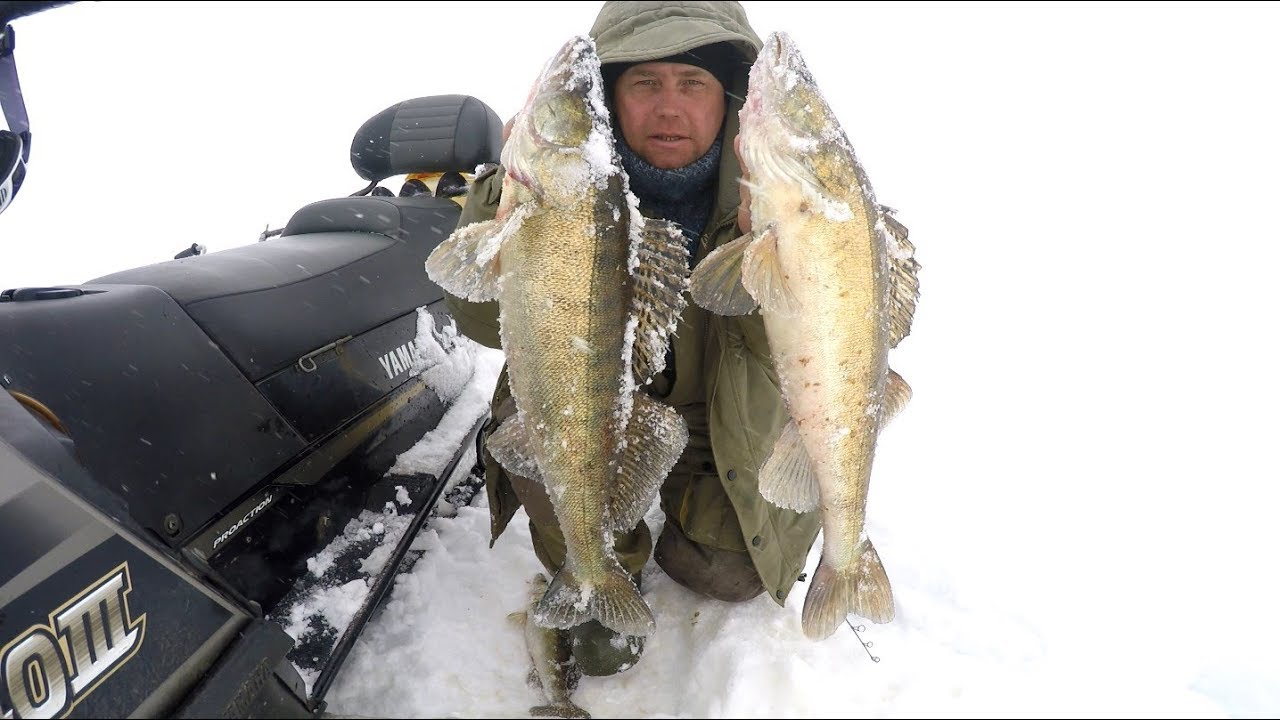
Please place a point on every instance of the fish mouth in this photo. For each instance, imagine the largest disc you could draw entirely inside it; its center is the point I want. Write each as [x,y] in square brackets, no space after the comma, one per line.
[560,67]
[768,77]
[778,47]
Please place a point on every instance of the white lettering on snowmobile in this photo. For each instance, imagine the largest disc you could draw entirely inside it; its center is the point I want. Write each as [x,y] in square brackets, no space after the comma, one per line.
[253,512]
[45,677]
[399,360]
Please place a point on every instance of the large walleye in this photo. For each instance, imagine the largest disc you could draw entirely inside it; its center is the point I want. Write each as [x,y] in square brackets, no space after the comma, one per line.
[835,280]
[588,294]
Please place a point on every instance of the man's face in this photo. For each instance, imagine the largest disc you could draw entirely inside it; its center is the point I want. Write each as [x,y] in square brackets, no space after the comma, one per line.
[670,113]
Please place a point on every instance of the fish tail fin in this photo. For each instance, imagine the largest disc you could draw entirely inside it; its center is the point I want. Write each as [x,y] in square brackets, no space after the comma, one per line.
[561,710]
[615,602]
[864,590]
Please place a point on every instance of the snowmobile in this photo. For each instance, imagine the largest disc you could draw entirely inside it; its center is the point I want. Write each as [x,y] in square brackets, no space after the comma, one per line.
[176,440]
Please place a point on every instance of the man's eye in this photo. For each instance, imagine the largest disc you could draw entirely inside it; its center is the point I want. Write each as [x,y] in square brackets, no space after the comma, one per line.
[693,81]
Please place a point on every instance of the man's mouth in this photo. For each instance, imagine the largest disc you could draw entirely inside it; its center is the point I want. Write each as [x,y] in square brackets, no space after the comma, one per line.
[668,138]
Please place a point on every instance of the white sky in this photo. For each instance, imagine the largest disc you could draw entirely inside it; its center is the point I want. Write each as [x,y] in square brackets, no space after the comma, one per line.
[1084,486]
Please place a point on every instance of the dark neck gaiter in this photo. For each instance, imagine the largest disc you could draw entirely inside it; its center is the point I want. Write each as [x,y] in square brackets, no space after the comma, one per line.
[683,195]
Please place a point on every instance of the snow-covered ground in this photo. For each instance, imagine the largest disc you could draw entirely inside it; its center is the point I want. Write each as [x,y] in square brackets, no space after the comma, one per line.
[442,646]
[1078,508]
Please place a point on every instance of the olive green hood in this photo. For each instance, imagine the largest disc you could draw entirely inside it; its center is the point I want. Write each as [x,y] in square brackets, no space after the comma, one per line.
[642,31]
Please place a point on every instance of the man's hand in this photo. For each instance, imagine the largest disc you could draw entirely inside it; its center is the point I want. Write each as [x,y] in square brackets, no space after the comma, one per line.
[744,190]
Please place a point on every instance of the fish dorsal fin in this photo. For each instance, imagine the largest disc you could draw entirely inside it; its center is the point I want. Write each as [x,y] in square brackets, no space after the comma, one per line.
[904,286]
[716,283]
[896,395]
[467,263]
[660,271]
[763,277]
[656,436]
[509,445]
[787,478]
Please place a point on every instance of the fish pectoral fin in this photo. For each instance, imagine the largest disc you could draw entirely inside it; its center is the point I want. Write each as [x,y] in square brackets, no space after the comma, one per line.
[517,618]
[656,436]
[658,283]
[716,283]
[904,285]
[787,478]
[509,445]
[764,277]
[897,393]
[467,263]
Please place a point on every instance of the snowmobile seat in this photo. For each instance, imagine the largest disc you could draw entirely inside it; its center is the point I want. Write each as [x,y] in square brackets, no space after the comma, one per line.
[340,268]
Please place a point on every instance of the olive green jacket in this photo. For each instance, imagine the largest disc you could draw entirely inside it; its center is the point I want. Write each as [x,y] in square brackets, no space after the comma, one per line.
[738,401]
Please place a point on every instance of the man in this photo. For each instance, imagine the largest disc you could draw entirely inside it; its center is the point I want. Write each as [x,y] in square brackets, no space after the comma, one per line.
[675,74]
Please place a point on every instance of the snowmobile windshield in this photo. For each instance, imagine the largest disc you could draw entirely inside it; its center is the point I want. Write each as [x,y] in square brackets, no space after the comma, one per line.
[15,141]
[12,167]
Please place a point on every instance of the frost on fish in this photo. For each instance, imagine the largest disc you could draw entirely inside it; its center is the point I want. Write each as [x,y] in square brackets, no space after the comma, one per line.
[578,67]
[815,215]
[785,103]
[601,456]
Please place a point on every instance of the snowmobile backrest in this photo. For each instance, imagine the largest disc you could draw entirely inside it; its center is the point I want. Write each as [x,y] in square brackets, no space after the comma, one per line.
[440,133]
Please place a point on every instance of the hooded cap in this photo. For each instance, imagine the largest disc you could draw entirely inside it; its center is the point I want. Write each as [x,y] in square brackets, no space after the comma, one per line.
[720,59]
[633,32]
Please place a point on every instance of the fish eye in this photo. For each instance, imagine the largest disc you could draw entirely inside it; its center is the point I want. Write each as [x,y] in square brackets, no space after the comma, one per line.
[561,118]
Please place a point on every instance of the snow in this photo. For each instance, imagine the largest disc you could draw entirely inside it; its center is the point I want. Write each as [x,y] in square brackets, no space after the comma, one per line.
[1076,509]
[458,375]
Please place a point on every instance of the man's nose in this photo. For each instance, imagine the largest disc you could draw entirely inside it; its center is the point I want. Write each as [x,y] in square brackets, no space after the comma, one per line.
[668,104]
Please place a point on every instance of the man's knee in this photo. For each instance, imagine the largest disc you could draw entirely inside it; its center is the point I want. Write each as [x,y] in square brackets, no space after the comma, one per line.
[726,575]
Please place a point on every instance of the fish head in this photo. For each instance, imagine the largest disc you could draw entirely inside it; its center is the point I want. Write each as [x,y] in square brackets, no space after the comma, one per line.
[782,87]
[791,138]
[538,586]
[560,139]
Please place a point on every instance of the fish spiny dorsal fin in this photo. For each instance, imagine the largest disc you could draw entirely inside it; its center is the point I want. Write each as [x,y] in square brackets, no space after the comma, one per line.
[716,284]
[660,273]
[656,436]
[904,286]
[467,263]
